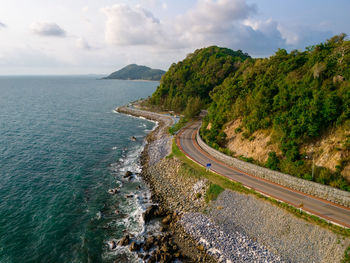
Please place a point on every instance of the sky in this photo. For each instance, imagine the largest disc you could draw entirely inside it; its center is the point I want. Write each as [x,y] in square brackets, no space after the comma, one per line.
[65,37]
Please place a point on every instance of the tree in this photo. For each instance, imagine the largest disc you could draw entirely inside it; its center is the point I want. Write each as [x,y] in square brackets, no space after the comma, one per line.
[272,161]
[193,107]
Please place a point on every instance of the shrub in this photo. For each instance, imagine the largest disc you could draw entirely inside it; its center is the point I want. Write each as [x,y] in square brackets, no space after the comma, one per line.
[238,130]
[272,161]
[213,192]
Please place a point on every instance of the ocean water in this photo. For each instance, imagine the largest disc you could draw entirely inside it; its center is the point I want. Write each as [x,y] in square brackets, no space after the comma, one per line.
[62,147]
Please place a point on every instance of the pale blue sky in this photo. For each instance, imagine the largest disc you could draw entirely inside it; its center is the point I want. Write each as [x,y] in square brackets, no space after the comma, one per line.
[326,14]
[100,36]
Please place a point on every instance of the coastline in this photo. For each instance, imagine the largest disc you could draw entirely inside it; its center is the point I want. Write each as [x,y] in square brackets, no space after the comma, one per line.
[226,229]
[167,210]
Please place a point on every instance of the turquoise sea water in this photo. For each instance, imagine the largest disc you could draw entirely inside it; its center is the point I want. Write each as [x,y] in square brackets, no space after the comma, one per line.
[61,148]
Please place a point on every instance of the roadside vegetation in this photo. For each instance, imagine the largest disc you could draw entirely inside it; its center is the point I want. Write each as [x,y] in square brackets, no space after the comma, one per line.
[298,96]
[219,183]
[213,192]
[176,127]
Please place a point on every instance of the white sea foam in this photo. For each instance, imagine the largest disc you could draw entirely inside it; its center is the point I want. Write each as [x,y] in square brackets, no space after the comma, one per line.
[134,206]
[120,250]
[138,117]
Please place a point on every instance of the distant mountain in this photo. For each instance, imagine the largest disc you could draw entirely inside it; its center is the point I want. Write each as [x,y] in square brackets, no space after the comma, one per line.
[136,72]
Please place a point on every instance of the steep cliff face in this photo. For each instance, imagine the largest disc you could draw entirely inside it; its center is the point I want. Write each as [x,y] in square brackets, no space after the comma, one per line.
[331,150]
[256,146]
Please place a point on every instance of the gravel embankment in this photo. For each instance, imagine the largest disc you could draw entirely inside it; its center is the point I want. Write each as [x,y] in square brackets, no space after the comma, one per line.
[294,239]
[177,191]
[233,246]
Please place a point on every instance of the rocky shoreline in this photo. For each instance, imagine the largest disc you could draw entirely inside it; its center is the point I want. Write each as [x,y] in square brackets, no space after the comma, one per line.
[235,228]
[173,244]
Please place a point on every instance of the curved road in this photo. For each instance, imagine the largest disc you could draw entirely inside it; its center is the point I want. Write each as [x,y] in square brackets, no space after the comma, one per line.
[322,208]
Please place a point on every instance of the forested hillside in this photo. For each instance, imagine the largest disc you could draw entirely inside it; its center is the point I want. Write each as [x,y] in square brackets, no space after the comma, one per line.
[298,97]
[194,77]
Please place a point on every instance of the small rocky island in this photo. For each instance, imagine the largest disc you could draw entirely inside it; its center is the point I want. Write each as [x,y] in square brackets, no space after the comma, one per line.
[136,72]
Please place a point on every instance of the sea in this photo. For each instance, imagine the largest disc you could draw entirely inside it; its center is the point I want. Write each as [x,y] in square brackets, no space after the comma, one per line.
[63,147]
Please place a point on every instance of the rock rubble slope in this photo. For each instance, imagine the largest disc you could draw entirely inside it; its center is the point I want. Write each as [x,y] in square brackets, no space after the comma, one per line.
[294,239]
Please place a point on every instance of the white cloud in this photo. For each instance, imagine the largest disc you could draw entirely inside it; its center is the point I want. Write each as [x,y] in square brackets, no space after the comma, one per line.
[210,22]
[150,3]
[126,33]
[302,36]
[47,29]
[210,15]
[291,37]
[228,23]
[127,26]
[211,19]
[83,44]
[264,36]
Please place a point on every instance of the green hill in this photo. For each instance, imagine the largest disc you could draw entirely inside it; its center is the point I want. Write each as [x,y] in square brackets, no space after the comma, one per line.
[196,76]
[136,72]
[299,97]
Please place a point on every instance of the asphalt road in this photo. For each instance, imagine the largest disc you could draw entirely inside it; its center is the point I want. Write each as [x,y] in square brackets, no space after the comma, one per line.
[322,208]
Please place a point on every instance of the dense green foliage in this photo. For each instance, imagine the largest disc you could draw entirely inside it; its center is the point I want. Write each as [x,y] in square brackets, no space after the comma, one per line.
[272,161]
[298,95]
[135,72]
[195,77]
